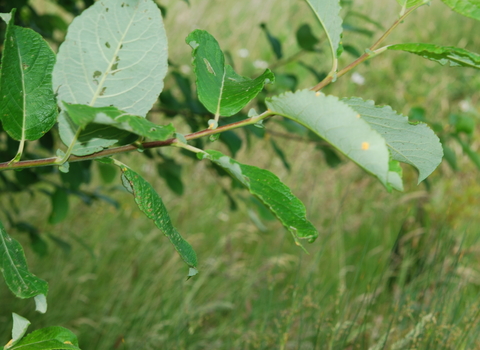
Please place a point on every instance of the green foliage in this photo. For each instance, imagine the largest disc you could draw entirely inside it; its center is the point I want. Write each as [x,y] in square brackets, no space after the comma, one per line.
[19,280]
[222,91]
[29,111]
[442,54]
[270,191]
[469,8]
[108,74]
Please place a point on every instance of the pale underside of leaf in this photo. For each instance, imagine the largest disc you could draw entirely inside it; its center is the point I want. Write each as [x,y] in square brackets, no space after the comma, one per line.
[328,13]
[338,124]
[416,145]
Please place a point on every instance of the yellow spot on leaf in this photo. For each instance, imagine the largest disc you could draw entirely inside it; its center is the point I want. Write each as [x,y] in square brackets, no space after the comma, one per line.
[365,146]
[9,343]
[67,342]
[358,115]
[318,93]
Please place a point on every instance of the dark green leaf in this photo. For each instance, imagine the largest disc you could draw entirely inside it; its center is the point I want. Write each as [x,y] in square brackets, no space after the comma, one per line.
[232,140]
[474,156]
[280,154]
[107,172]
[60,206]
[305,38]
[275,44]
[468,8]
[222,91]
[15,271]
[462,123]
[455,56]
[78,174]
[450,156]
[28,108]
[416,144]
[338,124]
[271,192]
[152,206]
[50,338]
[172,173]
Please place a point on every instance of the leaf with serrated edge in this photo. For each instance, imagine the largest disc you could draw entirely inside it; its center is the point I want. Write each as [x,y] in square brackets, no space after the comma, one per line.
[268,188]
[468,8]
[83,114]
[339,125]
[150,203]
[222,91]
[15,271]
[328,13]
[454,56]
[115,53]
[416,145]
[50,338]
[28,108]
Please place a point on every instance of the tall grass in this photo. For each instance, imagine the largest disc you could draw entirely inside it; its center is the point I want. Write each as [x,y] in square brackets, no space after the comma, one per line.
[388,271]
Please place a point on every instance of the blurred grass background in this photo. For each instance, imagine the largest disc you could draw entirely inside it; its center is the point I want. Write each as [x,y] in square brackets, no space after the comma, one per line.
[388,271]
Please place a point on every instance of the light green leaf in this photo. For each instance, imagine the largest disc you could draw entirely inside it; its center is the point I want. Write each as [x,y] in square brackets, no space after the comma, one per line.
[414,144]
[27,103]
[411,3]
[50,338]
[83,114]
[115,54]
[455,56]
[468,8]
[222,91]
[152,206]
[94,138]
[20,326]
[41,303]
[268,188]
[15,271]
[328,13]
[338,124]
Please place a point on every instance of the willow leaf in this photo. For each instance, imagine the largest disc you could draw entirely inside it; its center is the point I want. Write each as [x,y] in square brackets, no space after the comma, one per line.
[83,114]
[15,271]
[28,108]
[268,188]
[222,91]
[468,8]
[50,338]
[454,56]
[150,203]
[328,13]
[114,54]
[414,144]
[338,124]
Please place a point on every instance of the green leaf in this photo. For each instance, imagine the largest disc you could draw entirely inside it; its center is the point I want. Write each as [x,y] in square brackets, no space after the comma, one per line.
[107,172]
[468,8]
[28,108]
[83,114]
[338,124]
[275,44]
[455,56]
[328,13]
[305,38]
[275,195]
[115,54]
[414,144]
[411,3]
[15,271]
[50,338]
[20,326]
[94,138]
[152,206]
[222,91]
[474,156]
[60,206]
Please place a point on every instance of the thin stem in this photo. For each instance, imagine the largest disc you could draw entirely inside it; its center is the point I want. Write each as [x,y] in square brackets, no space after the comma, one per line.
[70,148]
[370,52]
[128,148]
